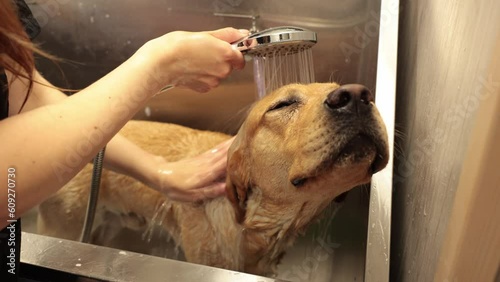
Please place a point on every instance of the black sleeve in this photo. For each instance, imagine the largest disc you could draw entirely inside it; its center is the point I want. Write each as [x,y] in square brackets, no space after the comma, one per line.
[4,96]
[32,28]
[29,22]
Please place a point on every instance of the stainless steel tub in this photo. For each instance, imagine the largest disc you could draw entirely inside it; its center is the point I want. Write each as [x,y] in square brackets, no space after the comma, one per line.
[99,35]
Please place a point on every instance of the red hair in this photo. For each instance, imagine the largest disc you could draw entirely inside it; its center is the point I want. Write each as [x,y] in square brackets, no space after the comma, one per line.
[16,48]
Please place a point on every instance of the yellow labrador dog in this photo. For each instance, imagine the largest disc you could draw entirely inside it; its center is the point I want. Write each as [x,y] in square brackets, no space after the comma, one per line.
[299,148]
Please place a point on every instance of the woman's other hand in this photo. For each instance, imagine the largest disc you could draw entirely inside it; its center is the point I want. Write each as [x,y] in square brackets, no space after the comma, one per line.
[193,179]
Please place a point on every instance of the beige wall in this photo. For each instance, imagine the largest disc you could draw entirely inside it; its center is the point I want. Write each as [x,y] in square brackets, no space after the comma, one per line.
[444,54]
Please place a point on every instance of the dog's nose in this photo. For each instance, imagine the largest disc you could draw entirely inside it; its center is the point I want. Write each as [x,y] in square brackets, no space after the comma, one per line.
[355,98]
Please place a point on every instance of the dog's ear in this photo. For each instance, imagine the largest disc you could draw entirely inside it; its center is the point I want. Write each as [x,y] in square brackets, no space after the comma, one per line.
[238,175]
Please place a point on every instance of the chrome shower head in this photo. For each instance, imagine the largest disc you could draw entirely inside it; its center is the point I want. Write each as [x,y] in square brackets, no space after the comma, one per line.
[277,41]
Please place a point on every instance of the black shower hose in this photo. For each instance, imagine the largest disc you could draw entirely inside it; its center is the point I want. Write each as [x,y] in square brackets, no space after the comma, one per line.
[93,196]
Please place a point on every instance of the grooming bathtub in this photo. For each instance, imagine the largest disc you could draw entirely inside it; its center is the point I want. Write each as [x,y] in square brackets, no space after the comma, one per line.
[355,45]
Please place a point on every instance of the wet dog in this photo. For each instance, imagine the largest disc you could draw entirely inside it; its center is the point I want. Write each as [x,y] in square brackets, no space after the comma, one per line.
[299,148]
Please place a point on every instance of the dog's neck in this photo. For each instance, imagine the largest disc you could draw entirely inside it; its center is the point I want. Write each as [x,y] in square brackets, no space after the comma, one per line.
[265,241]
[261,239]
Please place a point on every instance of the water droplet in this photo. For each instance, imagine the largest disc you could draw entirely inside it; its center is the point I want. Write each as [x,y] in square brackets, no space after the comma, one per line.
[78,264]
[122,253]
[91,19]
[347,60]
[106,16]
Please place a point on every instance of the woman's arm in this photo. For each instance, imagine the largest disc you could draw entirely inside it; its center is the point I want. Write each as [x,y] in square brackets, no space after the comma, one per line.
[136,162]
[150,169]
[48,145]
[190,179]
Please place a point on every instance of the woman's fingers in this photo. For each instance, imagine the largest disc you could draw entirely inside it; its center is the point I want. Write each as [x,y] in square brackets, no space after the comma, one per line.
[212,191]
[197,178]
[229,34]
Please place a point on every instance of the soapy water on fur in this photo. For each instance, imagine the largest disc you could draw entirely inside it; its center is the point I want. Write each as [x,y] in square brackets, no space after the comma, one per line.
[276,70]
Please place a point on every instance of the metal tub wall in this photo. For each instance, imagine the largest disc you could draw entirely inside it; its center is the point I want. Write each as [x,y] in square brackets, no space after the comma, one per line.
[96,36]
[446,50]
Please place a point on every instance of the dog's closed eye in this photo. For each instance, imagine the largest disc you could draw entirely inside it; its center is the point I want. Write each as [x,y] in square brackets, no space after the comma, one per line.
[283,104]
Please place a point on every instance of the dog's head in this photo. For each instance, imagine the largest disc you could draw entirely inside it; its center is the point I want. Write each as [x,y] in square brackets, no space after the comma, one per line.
[302,146]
